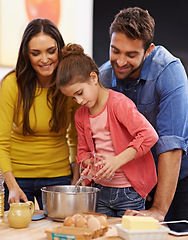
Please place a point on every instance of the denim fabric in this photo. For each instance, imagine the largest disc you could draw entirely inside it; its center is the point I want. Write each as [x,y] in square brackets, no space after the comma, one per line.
[161,95]
[32,187]
[115,201]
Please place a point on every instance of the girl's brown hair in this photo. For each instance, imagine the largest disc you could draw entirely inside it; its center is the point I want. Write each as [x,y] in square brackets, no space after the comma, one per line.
[75,64]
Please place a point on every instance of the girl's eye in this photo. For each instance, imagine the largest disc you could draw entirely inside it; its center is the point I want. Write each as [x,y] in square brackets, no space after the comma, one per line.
[80,93]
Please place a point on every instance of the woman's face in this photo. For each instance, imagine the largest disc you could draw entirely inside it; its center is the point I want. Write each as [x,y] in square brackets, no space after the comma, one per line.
[43,55]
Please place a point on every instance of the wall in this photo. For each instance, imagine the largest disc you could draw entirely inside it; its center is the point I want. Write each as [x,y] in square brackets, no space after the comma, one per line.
[171,25]
[74,19]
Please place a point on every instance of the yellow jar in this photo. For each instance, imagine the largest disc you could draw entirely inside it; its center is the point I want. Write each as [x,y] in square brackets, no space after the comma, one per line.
[19,215]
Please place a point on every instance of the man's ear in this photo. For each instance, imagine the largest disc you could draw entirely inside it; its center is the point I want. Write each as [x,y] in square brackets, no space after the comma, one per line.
[150,49]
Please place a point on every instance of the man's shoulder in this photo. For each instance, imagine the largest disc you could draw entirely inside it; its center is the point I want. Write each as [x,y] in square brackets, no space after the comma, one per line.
[105,66]
[105,74]
[161,54]
[158,60]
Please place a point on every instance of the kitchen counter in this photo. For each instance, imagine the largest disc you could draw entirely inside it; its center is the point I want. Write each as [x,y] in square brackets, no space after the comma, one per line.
[36,230]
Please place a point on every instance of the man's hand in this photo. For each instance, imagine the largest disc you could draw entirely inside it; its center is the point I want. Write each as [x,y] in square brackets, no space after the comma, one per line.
[152,212]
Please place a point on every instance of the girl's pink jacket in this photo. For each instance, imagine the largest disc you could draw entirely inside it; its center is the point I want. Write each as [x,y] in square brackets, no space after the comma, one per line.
[128,128]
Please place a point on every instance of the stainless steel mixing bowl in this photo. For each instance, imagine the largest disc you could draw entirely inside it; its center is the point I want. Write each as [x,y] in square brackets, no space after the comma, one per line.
[62,201]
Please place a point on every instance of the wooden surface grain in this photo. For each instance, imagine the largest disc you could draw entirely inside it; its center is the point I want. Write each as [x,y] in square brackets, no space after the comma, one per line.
[36,230]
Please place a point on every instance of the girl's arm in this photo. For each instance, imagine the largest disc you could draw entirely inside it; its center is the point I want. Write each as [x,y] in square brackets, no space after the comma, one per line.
[112,163]
[143,137]
[83,144]
[139,128]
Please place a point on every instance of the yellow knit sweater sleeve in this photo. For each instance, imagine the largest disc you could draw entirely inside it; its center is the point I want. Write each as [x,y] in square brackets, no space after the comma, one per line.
[47,154]
[8,98]
[71,131]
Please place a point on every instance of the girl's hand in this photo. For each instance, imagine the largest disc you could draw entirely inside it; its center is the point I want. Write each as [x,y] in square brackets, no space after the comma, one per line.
[86,168]
[107,165]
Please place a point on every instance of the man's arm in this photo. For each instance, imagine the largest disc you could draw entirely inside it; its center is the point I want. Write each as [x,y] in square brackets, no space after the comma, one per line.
[168,172]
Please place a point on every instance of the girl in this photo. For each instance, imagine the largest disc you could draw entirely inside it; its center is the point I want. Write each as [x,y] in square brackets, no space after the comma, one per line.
[109,124]
[34,150]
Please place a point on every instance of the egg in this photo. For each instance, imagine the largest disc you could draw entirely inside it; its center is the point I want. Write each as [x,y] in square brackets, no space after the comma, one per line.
[81,222]
[77,215]
[102,221]
[93,223]
[69,222]
[87,217]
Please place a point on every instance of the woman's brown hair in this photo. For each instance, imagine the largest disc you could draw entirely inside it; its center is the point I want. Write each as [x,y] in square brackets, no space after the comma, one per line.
[26,78]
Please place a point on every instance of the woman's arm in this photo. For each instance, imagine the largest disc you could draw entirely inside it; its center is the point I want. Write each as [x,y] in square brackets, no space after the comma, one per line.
[15,192]
[72,138]
[8,99]
[75,172]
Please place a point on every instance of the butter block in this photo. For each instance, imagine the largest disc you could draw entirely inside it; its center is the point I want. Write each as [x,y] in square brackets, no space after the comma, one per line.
[139,223]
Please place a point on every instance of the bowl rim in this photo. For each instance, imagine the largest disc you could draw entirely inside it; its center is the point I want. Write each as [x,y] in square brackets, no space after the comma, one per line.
[95,190]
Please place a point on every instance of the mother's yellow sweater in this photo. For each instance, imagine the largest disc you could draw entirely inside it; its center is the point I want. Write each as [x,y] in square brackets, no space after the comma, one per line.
[47,153]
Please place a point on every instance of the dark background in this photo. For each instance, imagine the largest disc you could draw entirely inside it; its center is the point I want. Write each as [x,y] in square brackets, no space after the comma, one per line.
[171,25]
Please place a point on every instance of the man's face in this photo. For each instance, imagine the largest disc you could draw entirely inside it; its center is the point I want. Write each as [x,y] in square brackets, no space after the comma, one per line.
[126,55]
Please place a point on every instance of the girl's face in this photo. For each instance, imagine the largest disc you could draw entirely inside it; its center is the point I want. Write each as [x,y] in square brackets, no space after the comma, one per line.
[43,55]
[84,93]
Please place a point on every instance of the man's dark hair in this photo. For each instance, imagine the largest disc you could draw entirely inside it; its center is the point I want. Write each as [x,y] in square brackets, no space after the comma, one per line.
[135,23]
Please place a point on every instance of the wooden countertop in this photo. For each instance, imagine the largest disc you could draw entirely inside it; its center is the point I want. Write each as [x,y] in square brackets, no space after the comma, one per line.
[36,230]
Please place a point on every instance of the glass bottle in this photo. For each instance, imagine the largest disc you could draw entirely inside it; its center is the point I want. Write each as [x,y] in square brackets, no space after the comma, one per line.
[1,196]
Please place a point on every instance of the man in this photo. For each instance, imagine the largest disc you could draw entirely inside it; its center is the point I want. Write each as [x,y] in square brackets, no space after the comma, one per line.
[156,81]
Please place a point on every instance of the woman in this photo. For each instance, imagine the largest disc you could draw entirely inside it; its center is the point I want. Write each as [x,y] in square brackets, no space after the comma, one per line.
[37,121]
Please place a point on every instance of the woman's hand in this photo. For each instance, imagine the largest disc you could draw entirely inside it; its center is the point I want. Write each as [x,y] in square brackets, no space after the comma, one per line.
[15,192]
[16,195]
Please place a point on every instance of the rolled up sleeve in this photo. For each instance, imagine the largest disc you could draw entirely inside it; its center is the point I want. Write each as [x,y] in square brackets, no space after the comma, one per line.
[172,117]
[168,143]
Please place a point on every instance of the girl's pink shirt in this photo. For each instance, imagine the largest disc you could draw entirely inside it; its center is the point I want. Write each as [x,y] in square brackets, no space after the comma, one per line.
[129,128]
[104,145]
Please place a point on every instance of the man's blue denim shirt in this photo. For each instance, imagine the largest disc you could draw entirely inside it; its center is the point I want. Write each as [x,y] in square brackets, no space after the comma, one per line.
[161,95]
